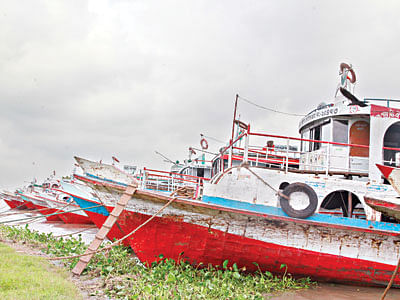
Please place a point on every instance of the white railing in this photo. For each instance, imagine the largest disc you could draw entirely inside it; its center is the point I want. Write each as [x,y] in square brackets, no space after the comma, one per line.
[331,157]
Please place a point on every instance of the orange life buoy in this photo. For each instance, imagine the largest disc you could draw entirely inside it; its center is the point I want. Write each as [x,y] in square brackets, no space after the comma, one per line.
[204,144]
[353,74]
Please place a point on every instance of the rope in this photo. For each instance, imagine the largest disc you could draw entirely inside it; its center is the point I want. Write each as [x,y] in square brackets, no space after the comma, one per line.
[213,138]
[53,214]
[245,165]
[118,241]
[391,280]
[33,221]
[12,208]
[201,150]
[68,234]
[269,109]
[24,212]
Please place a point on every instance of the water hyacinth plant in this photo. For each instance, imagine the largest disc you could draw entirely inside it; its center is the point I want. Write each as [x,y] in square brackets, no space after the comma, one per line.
[124,277]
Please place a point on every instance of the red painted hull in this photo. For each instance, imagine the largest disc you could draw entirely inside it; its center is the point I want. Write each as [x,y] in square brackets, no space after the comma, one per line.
[71,218]
[10,203]
[29,205]
[116,231]
[20,204]
[48,211]
[176,239]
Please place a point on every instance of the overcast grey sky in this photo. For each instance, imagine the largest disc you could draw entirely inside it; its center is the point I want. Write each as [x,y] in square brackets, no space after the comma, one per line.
[125,78]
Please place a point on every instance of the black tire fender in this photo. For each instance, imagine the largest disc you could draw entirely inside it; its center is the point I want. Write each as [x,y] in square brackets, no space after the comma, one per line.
[299,213]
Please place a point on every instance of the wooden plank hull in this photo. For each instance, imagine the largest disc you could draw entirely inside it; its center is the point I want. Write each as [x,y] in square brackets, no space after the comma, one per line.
[47,212]
[10,203]
[176,239]
[390,208]
[209,234]
[97,215]
[323,247]
[43,207]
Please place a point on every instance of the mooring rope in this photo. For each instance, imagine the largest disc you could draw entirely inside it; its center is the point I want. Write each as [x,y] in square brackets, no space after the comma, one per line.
[118,241]
[12,208]
[68,234]
[25,212]
[391,280]
[279,193]
[44,216]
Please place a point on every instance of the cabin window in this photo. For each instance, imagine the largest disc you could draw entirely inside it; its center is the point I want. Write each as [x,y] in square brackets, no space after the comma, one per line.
[317,136]
[305,144]
[340,131]
[200,172]
[392,140]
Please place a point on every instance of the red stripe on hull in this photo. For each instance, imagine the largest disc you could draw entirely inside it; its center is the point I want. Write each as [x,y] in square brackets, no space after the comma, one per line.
[71,218]
[179,240]
[48,211]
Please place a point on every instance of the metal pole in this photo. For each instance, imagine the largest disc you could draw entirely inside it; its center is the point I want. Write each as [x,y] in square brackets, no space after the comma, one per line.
[287,156]
[327,159]
[230,154]
[350,205]
[234,116]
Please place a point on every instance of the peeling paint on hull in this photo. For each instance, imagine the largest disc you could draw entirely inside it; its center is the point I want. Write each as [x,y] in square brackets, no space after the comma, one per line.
[209,236]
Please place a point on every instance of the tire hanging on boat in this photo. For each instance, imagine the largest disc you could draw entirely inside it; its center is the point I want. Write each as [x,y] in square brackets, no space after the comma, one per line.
[302,188]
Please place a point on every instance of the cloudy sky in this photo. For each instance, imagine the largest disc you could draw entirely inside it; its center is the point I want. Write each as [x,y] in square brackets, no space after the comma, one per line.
[126,78]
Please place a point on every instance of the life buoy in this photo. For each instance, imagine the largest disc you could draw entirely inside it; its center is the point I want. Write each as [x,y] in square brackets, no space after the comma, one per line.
[204,144]
[299,193]
[350,69]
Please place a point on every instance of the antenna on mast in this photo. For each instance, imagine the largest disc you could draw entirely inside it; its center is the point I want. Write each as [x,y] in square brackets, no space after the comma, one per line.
[166,158]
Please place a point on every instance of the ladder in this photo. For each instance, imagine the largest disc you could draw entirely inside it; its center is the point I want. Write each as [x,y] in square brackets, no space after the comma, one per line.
[105,229]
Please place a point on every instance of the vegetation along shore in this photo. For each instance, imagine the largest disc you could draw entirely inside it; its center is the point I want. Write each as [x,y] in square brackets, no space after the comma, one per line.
[117,273]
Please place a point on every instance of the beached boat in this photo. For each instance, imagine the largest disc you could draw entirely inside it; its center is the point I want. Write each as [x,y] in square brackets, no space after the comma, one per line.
[103,171]
[13,200]
[259,215]
[388,206]
[41,206]
[48,201]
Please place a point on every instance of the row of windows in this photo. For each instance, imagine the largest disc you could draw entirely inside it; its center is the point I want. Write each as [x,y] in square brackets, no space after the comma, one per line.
[323,133]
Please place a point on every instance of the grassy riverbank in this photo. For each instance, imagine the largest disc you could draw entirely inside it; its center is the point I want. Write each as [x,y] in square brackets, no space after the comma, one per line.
[122,277]
[31,277]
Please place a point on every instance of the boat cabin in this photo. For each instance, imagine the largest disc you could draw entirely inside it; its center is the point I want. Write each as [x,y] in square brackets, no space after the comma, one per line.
[345,138]
[336,154]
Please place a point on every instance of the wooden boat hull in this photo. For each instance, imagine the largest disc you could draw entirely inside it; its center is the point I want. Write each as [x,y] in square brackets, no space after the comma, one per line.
[10,203]
[72,218]
[97,215]
[42,207]
[47,212]
[386,207]
[70,213]
[323,247]
[29,205]
[209,234]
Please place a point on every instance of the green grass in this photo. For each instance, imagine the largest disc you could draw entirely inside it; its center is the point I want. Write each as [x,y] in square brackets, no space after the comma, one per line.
[30,277]
[122,277]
